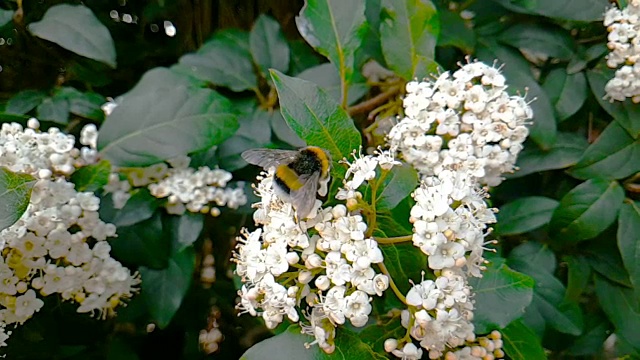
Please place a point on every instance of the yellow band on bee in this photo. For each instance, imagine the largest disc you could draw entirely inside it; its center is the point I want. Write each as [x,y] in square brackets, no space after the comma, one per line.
[288,177]
[322,156]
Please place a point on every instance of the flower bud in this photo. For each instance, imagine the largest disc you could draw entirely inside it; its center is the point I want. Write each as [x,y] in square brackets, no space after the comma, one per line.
[322,282]
[390,344]
[292,258]
[304,277]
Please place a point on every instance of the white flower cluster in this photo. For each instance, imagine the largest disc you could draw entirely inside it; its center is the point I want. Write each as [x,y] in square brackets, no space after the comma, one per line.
[484,348]
[58,245]
[624,26]
[327,260]
[185,188]
[462,121]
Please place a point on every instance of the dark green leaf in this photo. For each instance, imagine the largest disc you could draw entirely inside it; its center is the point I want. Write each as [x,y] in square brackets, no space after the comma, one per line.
[76,28]
[386,328]
[612,156]
[163,290]
[604,258]
[6,16]
[54,109]
[537,38]
[15,192]
[24,101]
[223,60]
[622,308]
[302,57]
[398,183]
[516,70]
[583,10]
[84,104]
[578,278]
[163,124]
[141,206]
[161,78]
[597,330]
[335,29]
[185,229]
[268,45]
[316,118]
[405,263]
[501,296]
[408,33]
[119,349]
[145,244]
[628,241]
[535,254]
[254,132]
[566,151]
[283,132]
[625,113]
[326,77]
[520,343]
[586,211]
[92,177]
[524,214]
[457,32]
[567,92]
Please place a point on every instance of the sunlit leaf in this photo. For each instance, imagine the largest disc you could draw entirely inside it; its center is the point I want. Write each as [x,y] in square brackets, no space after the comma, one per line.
[15,192]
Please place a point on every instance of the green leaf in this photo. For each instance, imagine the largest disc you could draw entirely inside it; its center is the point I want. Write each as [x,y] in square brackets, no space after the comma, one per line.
[597,330]
[628,241]
[161,78]
[119,349]
[290,345]
[144,244]
[625,113]
[520,343]
[578,277]
[548,40]
[6,16]
[586,211]
[15,192]
[223,60]
[336,30]
[501,296]
[283,132]
[457,34]
[163,124]
[302,57]
[185,229]
[405,263]
[604,257]
[77,29]
[397,184]
[384,329]
[254,132]
[535,254]
[524,214]
[24,101]
[408,32]
[140,206]
[92,177]
[84,104]
[583,10]
[566,151]
[326,77]
[548,292]
[316,118]
[622,308]
[613,155]
[516,70]
[268,45]
[567,92]
[164,290]
[54,109]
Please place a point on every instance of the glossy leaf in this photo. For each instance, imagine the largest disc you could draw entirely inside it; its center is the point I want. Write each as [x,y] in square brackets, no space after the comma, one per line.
[55,109]
[335,29]
[24,101]
[185,229]
[168,123]
[457,33]
[161,78]
[164,290]
[597,330]
[566,151]
[629,241]
[408,32]
[397,184]
[612,156]
[567,92]
[15,192]
[603,255]
[516,70]
[622,308]
[552,41]
[520,343]
[584,10]
[84,104]
[77,29]
[326,77]
[316,118]
[625,113]
[524,214]
[501,296]
[223,60]
[92,177]
[283,132]
[587,210]
[405,263]
[535,254]
[302,57]
[140,206]
[143,244]
[254,132]
[578,278]
[269,48]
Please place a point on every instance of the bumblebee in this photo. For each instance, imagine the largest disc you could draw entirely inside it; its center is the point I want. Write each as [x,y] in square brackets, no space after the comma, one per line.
[299,175]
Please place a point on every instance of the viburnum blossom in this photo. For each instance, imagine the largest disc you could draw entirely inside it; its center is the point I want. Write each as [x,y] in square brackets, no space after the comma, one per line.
[58,245]
[465,121]
[623,26]
[325,261]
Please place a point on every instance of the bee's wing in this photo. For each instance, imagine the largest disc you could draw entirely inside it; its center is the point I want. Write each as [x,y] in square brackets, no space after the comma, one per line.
[304,198]
[267,158]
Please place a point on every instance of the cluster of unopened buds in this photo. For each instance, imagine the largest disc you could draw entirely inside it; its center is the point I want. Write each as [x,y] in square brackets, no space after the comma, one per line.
[624,42]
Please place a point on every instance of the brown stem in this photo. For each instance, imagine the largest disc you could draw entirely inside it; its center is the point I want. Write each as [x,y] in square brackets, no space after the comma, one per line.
[374,102]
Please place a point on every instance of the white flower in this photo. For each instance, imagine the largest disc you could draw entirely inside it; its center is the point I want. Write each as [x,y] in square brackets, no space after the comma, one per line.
[357,308]
[446,255]
[27,305]
[408,352]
